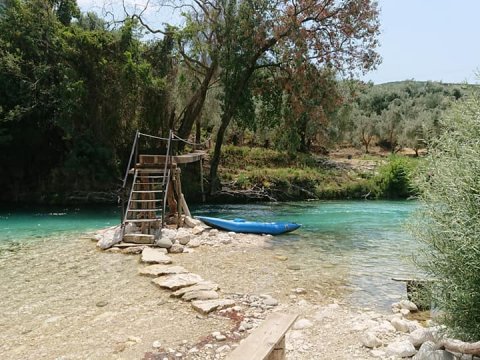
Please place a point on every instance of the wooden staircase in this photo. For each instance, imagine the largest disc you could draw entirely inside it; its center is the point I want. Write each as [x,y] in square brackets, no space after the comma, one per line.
[146,204]
[156,185]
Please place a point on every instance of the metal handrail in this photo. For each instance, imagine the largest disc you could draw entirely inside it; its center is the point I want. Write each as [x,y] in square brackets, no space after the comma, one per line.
[165,169]
[134,147]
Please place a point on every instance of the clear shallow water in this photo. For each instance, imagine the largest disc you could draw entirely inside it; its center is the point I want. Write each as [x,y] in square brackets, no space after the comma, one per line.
[27,224]
[365,241]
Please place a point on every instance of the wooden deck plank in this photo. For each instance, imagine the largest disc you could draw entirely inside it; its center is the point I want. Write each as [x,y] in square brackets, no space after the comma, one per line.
[261,342]
[178,159]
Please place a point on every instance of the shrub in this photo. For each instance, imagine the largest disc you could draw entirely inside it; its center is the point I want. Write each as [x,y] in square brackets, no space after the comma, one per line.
[394,179]
[448,223]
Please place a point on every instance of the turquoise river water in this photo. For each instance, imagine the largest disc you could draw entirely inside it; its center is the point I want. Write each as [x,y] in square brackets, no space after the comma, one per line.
[365,240]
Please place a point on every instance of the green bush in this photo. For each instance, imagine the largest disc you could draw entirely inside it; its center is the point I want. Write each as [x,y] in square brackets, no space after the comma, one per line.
[394,179]
[448,223]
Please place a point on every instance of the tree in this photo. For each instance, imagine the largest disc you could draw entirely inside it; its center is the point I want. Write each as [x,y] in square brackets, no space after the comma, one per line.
[448,223]
[260,34]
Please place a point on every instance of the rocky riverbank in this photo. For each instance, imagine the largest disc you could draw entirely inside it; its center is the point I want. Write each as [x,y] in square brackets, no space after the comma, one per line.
[323,330]
[64,299]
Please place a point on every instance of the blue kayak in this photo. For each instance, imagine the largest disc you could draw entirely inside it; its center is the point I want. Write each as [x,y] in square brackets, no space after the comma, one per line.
[253,227]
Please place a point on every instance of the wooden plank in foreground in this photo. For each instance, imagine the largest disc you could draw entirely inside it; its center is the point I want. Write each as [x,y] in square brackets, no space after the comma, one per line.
[267,339]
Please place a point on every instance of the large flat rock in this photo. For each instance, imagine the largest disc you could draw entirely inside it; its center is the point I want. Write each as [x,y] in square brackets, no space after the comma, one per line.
[207,306]
[201,286]
[160,269]
[177,281]
[155,256]
[200,295]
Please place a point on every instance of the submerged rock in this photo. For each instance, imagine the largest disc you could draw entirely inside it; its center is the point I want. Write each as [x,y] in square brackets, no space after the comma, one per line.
[157,256]
[177,281]
[159,269]
[207,306]
[201,286]
[200,295]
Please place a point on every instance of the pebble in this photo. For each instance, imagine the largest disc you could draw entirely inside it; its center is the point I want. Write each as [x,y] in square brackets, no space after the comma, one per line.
[302,324]
[102,303]
[222,349]
[293,267]
[157,344]
[370,340]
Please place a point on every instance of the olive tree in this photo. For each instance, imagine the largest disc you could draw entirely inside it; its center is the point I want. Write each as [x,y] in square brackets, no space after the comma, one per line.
[448,224]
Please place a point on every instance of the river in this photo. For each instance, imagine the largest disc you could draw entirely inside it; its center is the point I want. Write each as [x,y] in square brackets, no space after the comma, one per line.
[364,240]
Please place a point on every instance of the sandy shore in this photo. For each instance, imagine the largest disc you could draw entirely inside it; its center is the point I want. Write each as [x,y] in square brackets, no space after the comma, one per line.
[64,299]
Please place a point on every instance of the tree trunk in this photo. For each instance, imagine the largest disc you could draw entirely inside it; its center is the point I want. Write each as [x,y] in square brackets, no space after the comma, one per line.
[195,106]
[214,180]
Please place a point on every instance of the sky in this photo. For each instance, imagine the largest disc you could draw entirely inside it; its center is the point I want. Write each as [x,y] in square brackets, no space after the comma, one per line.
[436,40]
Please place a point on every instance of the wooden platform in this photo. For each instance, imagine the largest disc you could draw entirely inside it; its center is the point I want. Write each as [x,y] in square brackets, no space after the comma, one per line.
[145,160]
[267,342]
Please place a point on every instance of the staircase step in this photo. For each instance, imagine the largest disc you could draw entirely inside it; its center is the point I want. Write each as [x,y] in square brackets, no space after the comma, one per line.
[139,238]
[140,201]
[144,210]
[153,171]
[149,183]
[143,220]
[147,191]
[150,176]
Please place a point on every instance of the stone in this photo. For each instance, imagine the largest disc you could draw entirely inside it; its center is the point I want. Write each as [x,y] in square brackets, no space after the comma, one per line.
[200,286]
[177,281]
[138,238]
[200,295]
[370,340]
[102,303]
[157,256]
[302,324]
[419,336]
[400,349]
[207,306]
[220,337]
[383,328]
[157,344]
[176,249]
[191,222]
[226,240]
[213,232]
[270,301]
[378,353]
[131,228]
[293,267]
[407,304]
[197,230]
[163,242]
[132,250]
[404,325]
[159,269]
[184,240]
[299,291]
[222,349]
[168,233]
[281,257]
[427,352]
[404,312]
[109,238]
[194,243]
